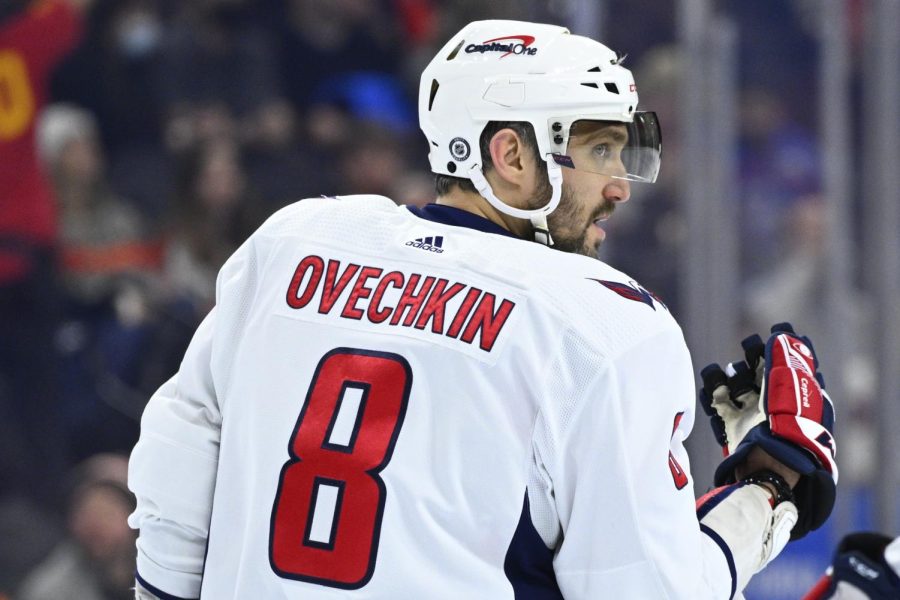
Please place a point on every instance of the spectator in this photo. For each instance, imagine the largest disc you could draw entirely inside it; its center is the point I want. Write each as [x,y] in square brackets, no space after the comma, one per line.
[96,560]
[34,37]
[219,70]
[104,239]
[215,210]
[779,164]
[27,536]
[281,168]
[322,39]
[372,162]
[109,268]
[118,75]
[795,288]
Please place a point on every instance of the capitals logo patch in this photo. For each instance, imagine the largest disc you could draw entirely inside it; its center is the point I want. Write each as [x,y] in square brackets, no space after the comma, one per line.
[632,291]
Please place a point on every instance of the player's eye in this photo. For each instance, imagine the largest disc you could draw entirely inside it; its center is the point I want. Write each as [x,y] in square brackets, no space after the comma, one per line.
[602,151]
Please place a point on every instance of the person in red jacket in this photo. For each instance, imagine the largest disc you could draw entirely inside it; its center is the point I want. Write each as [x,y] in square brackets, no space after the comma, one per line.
[34,38]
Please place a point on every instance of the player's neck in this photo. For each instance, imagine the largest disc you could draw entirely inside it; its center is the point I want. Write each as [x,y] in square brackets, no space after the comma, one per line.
[475,204]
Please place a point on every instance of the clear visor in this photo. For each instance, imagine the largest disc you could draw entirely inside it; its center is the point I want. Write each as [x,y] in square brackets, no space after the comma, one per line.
[623,150]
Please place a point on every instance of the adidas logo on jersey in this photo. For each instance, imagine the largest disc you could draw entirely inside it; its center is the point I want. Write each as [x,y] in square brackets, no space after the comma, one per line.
[432,244]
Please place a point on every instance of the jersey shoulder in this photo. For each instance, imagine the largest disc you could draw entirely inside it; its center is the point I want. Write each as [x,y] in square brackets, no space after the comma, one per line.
[293,218]
[610,310]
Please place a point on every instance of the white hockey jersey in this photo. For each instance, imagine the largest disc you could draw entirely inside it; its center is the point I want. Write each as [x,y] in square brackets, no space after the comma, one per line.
[388,404]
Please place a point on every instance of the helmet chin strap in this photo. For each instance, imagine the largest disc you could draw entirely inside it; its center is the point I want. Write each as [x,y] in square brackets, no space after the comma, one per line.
[537,216]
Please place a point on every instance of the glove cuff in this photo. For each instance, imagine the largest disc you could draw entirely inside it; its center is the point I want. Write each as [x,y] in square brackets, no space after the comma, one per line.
[814,494]
[784,452]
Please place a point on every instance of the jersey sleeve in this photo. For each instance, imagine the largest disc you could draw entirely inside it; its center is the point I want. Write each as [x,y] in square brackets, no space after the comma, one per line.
[621,482]
[172,470]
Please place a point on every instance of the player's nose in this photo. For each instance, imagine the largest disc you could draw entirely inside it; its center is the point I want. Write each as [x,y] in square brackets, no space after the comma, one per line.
[617,190]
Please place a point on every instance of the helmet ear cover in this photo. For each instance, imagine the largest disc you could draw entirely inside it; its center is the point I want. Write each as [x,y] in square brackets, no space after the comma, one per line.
[444,183]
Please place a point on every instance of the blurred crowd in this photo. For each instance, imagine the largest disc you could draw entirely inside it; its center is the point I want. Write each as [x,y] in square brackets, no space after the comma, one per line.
[166,131]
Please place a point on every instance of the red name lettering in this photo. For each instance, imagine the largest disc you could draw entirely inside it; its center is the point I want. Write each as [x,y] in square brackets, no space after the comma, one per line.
[431,304]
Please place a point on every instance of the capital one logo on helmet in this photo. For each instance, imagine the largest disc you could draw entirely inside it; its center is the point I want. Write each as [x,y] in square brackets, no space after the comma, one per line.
[494,45]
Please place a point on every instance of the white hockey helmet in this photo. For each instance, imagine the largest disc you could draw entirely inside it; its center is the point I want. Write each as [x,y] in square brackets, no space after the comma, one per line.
[535,73]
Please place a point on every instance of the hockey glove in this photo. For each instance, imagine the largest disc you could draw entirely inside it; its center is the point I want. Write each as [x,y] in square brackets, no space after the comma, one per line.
[866,565]
[775,399]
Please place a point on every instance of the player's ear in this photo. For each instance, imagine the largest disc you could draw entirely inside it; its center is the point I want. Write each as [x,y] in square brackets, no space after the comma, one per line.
[510,157]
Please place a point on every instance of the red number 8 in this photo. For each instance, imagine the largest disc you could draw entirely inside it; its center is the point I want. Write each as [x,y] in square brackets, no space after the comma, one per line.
[338,478]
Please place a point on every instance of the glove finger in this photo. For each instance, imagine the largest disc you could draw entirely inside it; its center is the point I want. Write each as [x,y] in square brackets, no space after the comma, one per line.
[782,328]
[716,395]
[713,376]
[709,381]
[754,349]
[742,380]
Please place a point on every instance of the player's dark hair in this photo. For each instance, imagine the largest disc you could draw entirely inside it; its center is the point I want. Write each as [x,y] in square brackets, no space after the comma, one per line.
[443,184]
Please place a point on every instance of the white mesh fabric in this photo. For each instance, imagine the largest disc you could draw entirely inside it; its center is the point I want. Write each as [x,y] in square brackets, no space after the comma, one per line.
[239,276]
[540,490]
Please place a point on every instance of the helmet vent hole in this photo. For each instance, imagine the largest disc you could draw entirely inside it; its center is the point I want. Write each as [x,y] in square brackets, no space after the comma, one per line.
[611,88]
[434,88]
[453,54]
[451,167]
[594,70]
[435,144]
[591,85]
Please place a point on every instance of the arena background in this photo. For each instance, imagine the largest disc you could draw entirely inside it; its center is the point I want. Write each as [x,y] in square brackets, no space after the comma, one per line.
[175,127]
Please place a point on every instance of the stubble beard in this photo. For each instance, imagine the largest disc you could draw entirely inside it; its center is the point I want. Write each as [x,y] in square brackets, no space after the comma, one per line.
[563,222]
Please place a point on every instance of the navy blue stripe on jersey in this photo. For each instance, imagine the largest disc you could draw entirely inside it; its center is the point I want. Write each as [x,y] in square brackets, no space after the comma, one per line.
[529,562]
[714,498]
[728,556]
[156,591]
[450,215]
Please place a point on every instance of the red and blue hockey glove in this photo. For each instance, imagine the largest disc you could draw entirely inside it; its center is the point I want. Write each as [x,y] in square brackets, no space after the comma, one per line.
[776,399]
[866,566]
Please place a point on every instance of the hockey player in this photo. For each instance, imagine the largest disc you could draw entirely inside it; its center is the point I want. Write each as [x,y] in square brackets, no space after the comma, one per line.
[438,403]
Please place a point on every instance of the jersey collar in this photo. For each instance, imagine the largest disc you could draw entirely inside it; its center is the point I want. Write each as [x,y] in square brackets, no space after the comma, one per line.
[450,215]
